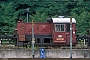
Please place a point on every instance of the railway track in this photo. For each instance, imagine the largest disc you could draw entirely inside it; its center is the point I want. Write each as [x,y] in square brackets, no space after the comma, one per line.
[44,59]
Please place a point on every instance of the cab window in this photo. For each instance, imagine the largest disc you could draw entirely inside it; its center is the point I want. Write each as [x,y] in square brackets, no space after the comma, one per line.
[68,27]
[59,27]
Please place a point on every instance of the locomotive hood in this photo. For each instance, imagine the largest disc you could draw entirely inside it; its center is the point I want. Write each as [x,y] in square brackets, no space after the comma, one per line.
[63,20]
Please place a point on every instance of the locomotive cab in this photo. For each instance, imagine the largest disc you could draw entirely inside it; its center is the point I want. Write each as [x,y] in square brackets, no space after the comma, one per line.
[61,31]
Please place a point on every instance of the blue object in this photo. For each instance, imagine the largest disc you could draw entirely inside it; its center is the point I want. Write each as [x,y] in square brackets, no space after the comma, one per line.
[42,53]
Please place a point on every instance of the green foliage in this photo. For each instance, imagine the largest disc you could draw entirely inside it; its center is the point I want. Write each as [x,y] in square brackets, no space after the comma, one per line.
[8,18]
[81,13]
[38,17]
[39,10]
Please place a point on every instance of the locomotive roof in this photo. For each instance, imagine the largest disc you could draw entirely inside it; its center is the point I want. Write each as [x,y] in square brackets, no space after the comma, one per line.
[63,20]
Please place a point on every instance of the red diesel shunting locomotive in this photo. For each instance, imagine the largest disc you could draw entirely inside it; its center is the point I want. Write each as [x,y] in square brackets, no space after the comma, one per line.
[56,31]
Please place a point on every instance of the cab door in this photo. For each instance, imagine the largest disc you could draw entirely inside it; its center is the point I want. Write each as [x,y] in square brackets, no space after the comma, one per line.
[59,35]
[68,33]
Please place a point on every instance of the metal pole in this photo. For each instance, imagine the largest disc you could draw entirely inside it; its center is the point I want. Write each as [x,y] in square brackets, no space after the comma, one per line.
[27,11]
[71,38]
[84,42]
[27,17]
[33,39]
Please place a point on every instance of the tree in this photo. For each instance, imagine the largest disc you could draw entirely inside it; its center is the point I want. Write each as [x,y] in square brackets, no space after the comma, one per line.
[81,13]
[8,18]
[38,17]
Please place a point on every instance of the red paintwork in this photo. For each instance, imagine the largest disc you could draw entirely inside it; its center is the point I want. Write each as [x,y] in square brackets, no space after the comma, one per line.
[39,28]
[46,28]
[20,31]
[21,37]
[20,27]
[65,36]
[57,38]
[73,35]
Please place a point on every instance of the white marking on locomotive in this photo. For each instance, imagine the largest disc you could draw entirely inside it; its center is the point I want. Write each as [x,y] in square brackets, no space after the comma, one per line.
[73,32]
[59,35]
[63,20]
